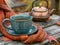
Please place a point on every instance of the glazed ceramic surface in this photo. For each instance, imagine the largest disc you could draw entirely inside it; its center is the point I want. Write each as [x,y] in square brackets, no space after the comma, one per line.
[31,31]
[20,23]
[41,13]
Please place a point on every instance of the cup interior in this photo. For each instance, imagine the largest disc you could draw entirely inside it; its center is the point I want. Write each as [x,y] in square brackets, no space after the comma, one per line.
[21,17]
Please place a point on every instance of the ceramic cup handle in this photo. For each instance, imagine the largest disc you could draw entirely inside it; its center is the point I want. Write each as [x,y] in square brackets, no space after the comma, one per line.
[4,23]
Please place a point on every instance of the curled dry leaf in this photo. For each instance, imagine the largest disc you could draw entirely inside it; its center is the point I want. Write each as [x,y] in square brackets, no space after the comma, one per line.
[42,37]
[33,38]
[1,1]
[6,39]
[4,7]
[58,23]
[9,14]
[23,37]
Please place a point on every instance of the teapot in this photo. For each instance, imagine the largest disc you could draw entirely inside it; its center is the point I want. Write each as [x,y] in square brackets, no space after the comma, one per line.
[41,13]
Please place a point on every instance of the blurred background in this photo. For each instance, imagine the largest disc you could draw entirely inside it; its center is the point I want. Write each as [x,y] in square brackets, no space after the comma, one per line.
[26,5]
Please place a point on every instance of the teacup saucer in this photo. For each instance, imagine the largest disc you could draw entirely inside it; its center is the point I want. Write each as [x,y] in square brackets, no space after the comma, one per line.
[32,30]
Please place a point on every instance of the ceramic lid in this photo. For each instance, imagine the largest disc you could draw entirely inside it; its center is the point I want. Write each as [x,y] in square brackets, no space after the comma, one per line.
[39,9]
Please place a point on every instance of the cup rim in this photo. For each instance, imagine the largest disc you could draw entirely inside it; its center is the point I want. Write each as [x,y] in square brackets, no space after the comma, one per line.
[21,15]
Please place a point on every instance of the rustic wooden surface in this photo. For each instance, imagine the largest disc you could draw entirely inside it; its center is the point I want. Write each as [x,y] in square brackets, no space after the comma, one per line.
[50,29]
